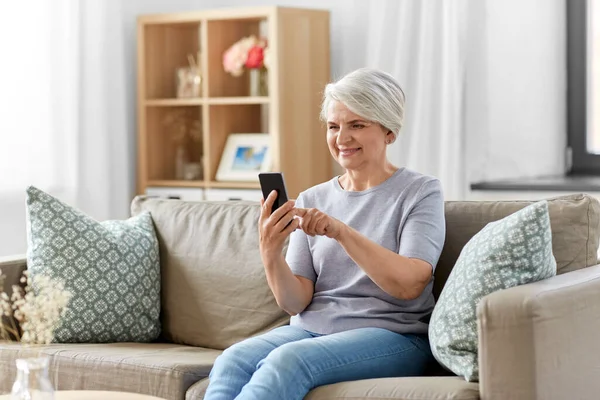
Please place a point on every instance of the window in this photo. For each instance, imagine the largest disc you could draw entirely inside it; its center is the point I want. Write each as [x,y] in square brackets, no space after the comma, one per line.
[583,64]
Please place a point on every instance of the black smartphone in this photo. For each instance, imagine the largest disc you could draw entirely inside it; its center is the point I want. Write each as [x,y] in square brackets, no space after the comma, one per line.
[270,181]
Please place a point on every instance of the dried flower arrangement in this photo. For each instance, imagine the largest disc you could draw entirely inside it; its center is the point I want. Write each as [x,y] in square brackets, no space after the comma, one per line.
[31,314]
[182,126]
[184,129]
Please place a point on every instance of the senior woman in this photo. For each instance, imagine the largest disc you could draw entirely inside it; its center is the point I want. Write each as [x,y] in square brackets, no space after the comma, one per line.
[357,276]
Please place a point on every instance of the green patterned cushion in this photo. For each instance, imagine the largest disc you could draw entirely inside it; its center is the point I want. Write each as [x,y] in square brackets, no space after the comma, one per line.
[111,268]
[510,252]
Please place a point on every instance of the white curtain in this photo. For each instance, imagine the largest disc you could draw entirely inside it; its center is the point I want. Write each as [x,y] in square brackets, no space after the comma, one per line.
[38,99]
[107,155]
[423,44]
[62,126]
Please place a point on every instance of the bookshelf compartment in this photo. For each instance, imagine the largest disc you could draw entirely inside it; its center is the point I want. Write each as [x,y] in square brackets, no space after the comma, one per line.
[227,119]
[166,48]
[174,139]
[221,35]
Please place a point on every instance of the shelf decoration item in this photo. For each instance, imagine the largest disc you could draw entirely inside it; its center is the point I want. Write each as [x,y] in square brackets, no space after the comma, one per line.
[192,171]
[189,80]
[185,131]
[251,53]
[244,156]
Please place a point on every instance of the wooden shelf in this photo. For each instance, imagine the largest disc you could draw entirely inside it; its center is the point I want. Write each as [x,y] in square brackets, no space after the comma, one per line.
[300,69]
[211,101]
[175,102]
[237,100]
[233,185]
[177,183]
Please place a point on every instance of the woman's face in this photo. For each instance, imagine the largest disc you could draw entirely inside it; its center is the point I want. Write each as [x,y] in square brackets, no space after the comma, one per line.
[354,142]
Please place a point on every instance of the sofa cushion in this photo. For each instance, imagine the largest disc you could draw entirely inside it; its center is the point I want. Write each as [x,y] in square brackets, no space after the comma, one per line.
[575,221]
[111,269]
[157,369]
[197,390]
[413,388]
[214,289]
[513,251]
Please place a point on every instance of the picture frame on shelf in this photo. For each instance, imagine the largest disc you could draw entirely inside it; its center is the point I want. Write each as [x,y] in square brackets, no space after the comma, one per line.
[244,156]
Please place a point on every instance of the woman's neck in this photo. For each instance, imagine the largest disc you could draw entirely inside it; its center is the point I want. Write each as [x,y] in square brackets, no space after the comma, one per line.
[359,180]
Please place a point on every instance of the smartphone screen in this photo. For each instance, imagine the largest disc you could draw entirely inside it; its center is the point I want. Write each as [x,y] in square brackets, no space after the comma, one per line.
[270,181]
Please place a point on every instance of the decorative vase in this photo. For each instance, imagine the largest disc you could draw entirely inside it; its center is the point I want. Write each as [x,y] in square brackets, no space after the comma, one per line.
[189,82]
[32,381]
[180,162]
[259,82]
[193,171]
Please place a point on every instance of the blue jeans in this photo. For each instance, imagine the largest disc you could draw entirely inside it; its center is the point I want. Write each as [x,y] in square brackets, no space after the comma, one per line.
[287,362]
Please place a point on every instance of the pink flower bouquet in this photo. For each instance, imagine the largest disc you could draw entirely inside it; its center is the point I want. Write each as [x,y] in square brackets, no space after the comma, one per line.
[249,52]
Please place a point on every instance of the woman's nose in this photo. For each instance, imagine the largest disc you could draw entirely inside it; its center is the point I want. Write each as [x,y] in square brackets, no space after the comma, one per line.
[343,136]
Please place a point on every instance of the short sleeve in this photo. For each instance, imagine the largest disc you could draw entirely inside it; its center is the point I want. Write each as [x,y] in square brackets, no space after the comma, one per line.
[423,233]
[299,256]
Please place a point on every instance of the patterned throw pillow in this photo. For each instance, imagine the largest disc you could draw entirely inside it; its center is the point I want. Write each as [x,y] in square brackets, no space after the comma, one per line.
[111,268]
[510,252]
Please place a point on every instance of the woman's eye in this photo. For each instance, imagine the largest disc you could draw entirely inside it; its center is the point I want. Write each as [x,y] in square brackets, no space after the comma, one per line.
[332,127]
[358,126]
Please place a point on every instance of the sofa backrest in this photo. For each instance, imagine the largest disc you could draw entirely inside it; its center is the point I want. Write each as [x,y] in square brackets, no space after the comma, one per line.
[214,290]
[575,221]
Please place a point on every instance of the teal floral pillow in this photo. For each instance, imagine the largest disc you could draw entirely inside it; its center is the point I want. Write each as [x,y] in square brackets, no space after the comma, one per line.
[111,269]
[510,252]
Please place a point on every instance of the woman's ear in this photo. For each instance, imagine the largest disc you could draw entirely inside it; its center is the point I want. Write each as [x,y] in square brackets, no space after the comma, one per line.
[390,137]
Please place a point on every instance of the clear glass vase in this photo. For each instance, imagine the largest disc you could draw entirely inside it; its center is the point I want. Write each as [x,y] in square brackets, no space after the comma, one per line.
[259,82]
[32,380]
[181,160]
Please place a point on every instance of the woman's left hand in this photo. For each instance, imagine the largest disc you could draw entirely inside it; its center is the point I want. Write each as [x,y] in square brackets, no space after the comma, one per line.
[314,222]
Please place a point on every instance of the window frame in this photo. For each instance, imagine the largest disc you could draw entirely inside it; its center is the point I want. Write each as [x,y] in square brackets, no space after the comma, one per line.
[579,160]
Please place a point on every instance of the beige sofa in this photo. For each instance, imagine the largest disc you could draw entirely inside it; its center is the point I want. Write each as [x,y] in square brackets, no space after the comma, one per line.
[537,341]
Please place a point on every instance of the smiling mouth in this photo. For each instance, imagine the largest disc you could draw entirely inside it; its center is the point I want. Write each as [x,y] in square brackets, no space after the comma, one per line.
[349,152]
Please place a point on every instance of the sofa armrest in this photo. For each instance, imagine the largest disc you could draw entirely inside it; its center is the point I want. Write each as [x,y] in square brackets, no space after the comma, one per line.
[540,340]
[12,269]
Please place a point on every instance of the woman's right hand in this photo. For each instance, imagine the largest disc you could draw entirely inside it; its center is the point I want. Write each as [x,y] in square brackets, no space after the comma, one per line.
[273,228]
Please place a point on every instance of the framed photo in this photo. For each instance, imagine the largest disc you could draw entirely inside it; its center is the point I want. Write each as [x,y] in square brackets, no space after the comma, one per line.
[244,156]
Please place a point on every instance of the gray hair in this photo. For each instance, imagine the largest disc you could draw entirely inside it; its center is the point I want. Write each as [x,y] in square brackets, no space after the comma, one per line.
[374,95]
